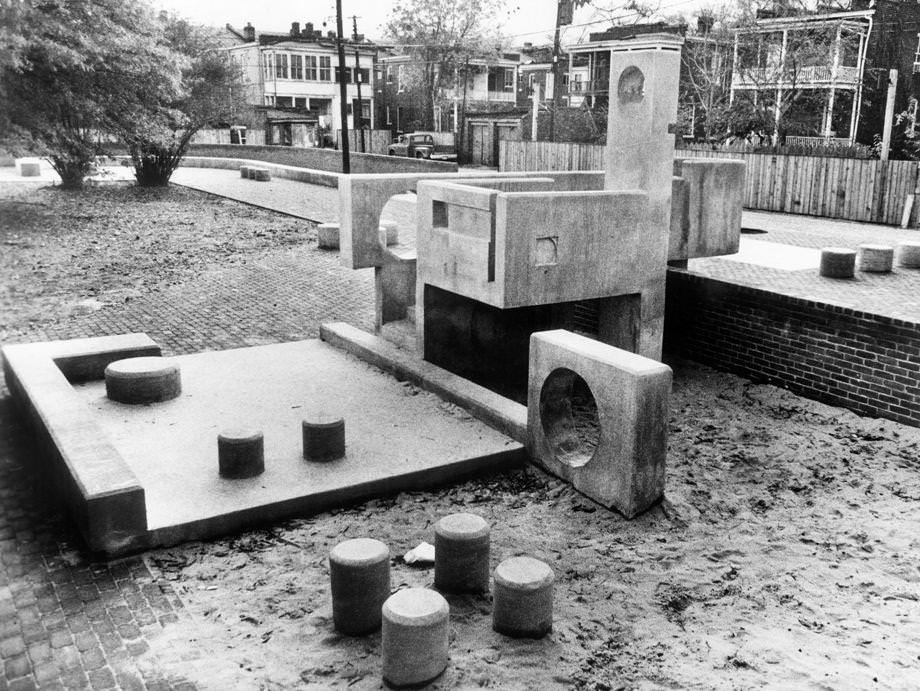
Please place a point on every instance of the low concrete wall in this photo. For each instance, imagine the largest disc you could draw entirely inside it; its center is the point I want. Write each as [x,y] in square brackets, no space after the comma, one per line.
[328,160]
[314,177]
[865,362]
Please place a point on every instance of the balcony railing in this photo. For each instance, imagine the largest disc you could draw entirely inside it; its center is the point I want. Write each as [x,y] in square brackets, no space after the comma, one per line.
[809,76]
[589,87]
[501,96]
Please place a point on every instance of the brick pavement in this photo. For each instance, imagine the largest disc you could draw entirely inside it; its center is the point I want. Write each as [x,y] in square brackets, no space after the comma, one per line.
[895,295]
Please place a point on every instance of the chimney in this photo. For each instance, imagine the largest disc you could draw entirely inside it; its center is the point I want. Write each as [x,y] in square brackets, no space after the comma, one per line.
[249,32]
[308,29]
[295,29]
[704,23]
[528,45]
[330,35]
[359,38]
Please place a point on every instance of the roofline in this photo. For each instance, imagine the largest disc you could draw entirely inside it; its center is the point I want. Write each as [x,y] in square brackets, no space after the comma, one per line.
[806,19]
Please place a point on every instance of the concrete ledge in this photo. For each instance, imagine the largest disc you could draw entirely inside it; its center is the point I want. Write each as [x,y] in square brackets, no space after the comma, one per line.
[309,175]
[497,411]
[99,488]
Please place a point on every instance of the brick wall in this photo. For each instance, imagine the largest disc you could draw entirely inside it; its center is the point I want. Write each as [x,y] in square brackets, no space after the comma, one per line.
[864,362]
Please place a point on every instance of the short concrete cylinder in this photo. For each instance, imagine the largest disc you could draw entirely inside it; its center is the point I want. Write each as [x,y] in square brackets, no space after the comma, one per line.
[875,258]
[261,174]
[838,262]
[909,254]
[323,437]
[389,233]
[244,171]
[327,236]
[522,598]
[461,554]
[143,380]
[30,170]
[415,637]
[359,572]
[240,453]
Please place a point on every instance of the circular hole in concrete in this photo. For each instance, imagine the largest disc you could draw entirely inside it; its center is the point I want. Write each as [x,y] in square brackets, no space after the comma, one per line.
[568,413]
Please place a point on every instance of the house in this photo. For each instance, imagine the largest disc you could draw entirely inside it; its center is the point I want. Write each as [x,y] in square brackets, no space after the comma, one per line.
[483,85]
[292,79]
[824,74]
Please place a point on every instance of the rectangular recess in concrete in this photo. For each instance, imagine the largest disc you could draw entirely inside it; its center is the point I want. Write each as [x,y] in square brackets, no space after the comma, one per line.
[397,438]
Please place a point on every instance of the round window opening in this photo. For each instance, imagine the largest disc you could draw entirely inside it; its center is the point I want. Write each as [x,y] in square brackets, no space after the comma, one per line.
[568,413]
[631,87]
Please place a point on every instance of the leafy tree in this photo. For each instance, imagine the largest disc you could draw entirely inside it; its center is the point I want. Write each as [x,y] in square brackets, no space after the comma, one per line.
[442,37]
[163,114]
[67,66]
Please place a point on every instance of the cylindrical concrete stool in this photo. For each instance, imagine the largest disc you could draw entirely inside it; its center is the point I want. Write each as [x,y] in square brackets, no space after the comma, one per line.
[240,453]
[30,169]
[461,554]
[837,262]
[359,572]
[876,258]
[415,637]
[323,437]
[522,600]
[327,236]
[244,171]
[142,380]
[909,254]
[261,174]
[389,233]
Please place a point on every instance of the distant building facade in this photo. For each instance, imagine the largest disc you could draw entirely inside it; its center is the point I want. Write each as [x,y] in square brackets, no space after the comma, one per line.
[292,81]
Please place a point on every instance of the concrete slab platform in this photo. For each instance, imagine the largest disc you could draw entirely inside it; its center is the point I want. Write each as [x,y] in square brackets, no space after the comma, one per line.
[397,438]
[773,256]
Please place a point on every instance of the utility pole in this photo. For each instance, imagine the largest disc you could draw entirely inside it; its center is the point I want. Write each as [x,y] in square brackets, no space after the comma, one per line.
[889,114]
[359,118]
[343,89]
[564,10]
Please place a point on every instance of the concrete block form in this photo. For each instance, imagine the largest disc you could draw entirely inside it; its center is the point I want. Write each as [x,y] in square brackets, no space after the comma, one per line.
[706,210]
[30,169]
[597,416]
[416,630]
[389,233]
[261,174]
[359,572]
[461,554]
[875,258]
[323,437]
[244,171]
[909,254]
[101,491]
[837,262]
[240,453]
[327,236]
[143,380]
[522,600]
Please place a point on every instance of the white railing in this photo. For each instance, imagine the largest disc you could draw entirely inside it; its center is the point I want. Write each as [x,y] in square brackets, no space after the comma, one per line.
[809,75]
[501,96]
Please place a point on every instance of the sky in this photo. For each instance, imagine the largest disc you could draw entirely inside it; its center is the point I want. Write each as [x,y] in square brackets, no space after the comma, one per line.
[529,20]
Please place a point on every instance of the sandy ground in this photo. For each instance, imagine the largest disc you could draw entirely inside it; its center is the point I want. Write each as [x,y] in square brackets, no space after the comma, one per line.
[785,555]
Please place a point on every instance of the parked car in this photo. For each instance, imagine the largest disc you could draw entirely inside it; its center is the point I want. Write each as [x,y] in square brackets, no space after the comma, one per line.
[412,145]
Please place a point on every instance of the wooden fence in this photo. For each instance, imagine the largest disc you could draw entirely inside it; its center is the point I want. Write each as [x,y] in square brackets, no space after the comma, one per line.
[846,188]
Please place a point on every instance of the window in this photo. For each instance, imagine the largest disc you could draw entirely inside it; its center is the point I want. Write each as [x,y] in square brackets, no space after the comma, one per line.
[509,80]
[296,67]
[281,66]
[284,101]
[389,74]
[338,75]
[310,74]
[917,56]
[363,75]
[268,70]
[325,73]
[401,78]
[389,116]
[269,100]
